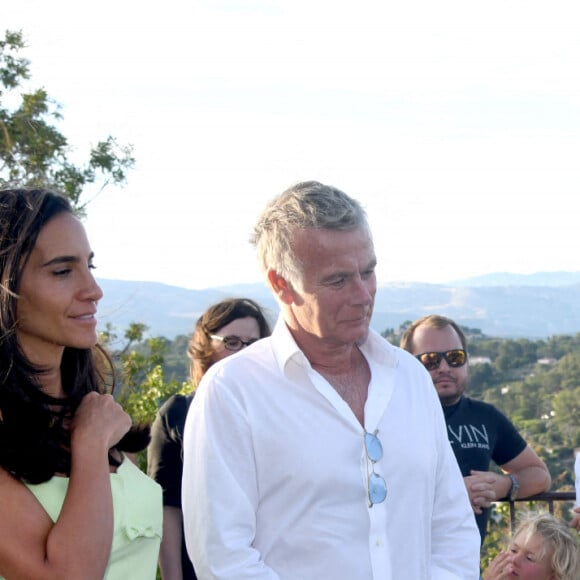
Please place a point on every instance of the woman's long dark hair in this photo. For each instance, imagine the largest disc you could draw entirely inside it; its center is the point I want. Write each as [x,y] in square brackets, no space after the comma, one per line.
[34,438]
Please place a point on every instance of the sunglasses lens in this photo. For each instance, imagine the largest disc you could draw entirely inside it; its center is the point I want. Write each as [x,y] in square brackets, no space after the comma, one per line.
[430,360]
[455,358]
[377,489]
[374,447]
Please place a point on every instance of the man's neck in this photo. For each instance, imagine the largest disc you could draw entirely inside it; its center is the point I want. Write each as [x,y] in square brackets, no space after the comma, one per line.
[451,403]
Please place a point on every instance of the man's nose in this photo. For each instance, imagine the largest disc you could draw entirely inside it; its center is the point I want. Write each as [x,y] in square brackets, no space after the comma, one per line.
[363,291]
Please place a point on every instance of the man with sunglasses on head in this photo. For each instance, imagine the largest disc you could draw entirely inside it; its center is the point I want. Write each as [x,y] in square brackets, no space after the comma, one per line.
[478,432]
[320,453]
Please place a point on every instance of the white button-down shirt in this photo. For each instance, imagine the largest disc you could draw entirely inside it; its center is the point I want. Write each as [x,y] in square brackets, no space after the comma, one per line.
[276,473]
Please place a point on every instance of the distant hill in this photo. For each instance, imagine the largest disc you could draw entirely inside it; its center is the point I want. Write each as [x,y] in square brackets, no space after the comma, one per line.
[503,305]
[507,279]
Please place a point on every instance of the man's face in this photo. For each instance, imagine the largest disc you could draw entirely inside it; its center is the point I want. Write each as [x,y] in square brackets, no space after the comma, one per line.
[335,299]
[450,382]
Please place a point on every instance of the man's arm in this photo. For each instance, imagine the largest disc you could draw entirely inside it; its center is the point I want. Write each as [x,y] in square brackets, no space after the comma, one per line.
[455,538]
[170,552]
[532,474]
[219,489]
[485,487]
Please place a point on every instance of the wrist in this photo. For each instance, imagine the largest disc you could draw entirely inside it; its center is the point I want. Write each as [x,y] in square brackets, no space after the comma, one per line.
[514,488]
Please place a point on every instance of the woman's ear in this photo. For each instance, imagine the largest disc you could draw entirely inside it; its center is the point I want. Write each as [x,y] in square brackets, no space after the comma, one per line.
[281,287]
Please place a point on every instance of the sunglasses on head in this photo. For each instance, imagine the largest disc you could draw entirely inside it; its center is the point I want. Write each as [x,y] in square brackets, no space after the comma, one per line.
[454,358]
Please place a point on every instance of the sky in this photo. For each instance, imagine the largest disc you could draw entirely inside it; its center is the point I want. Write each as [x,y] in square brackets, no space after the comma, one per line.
[455,123]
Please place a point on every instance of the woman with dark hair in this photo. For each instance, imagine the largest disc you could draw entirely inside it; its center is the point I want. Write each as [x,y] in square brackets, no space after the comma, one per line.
[72,505]
[224,328]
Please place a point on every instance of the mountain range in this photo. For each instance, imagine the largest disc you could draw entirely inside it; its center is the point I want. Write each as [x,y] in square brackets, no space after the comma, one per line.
[500,305]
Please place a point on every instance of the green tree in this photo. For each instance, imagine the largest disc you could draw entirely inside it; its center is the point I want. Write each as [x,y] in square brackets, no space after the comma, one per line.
[566,406]
[139,371]
[33,152]
[140,383]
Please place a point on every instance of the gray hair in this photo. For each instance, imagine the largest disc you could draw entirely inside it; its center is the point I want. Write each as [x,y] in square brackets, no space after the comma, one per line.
[308,204]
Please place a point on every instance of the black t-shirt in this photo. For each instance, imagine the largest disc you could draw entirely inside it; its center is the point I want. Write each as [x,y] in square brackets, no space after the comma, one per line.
[165,459]
[479,433]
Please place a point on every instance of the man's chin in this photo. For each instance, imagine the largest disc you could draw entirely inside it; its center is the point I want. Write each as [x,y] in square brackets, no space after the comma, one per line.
[449,400]
[362,337]
[448,396]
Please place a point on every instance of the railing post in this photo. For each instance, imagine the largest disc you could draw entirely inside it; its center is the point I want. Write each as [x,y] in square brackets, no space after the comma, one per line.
[512,516]
[548,497]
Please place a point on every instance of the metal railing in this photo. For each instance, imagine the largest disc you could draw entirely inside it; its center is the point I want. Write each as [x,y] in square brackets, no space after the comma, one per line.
[548,497]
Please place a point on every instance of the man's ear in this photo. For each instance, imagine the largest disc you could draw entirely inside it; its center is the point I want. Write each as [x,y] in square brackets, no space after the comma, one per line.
[281,287]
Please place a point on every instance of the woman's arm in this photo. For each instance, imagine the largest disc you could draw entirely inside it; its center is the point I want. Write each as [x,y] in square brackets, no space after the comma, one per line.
[170,553]
[78,544]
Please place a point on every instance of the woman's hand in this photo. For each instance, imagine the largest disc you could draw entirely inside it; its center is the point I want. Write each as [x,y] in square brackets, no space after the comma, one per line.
[99,420]
[78,544]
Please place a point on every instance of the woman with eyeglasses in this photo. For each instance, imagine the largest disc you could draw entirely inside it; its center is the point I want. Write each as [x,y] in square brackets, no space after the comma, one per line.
[72,505]
[224,329]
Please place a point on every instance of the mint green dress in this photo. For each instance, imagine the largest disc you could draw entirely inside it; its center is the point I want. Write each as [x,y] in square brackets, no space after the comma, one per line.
[138,520]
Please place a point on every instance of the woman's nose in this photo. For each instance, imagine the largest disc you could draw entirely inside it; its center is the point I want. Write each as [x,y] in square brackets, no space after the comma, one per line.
[92,291]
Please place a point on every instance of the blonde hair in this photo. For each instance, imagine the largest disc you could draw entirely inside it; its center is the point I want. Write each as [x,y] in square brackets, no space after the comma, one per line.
[558,538]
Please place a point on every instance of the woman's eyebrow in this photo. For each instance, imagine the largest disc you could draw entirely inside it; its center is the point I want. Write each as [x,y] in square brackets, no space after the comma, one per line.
[61,260]
[65,260]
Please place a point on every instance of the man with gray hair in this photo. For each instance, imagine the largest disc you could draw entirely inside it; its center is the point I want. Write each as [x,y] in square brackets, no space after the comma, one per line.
[321,452]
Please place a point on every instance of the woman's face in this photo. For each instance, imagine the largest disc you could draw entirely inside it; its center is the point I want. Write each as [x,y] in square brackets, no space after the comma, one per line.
[245,328]
[58,294]
[527,560]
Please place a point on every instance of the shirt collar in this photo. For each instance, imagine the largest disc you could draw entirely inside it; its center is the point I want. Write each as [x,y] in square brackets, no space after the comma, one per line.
[375,347]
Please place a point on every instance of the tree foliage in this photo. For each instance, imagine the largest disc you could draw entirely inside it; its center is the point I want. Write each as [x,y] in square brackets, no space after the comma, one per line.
[139,360]
[141,386]
[33,152]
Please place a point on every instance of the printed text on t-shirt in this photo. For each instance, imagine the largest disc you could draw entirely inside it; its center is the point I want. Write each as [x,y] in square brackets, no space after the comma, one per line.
[469,436]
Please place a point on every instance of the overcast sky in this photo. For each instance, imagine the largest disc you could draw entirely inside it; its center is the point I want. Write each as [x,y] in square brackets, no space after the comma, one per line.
[455,123]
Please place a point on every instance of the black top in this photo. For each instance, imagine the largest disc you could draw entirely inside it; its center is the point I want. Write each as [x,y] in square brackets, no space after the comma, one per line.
[479,433]
[165,459]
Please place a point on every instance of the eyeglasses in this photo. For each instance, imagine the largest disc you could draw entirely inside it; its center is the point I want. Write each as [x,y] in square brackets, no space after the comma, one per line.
[454,358]
[233,342]
[377,486]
